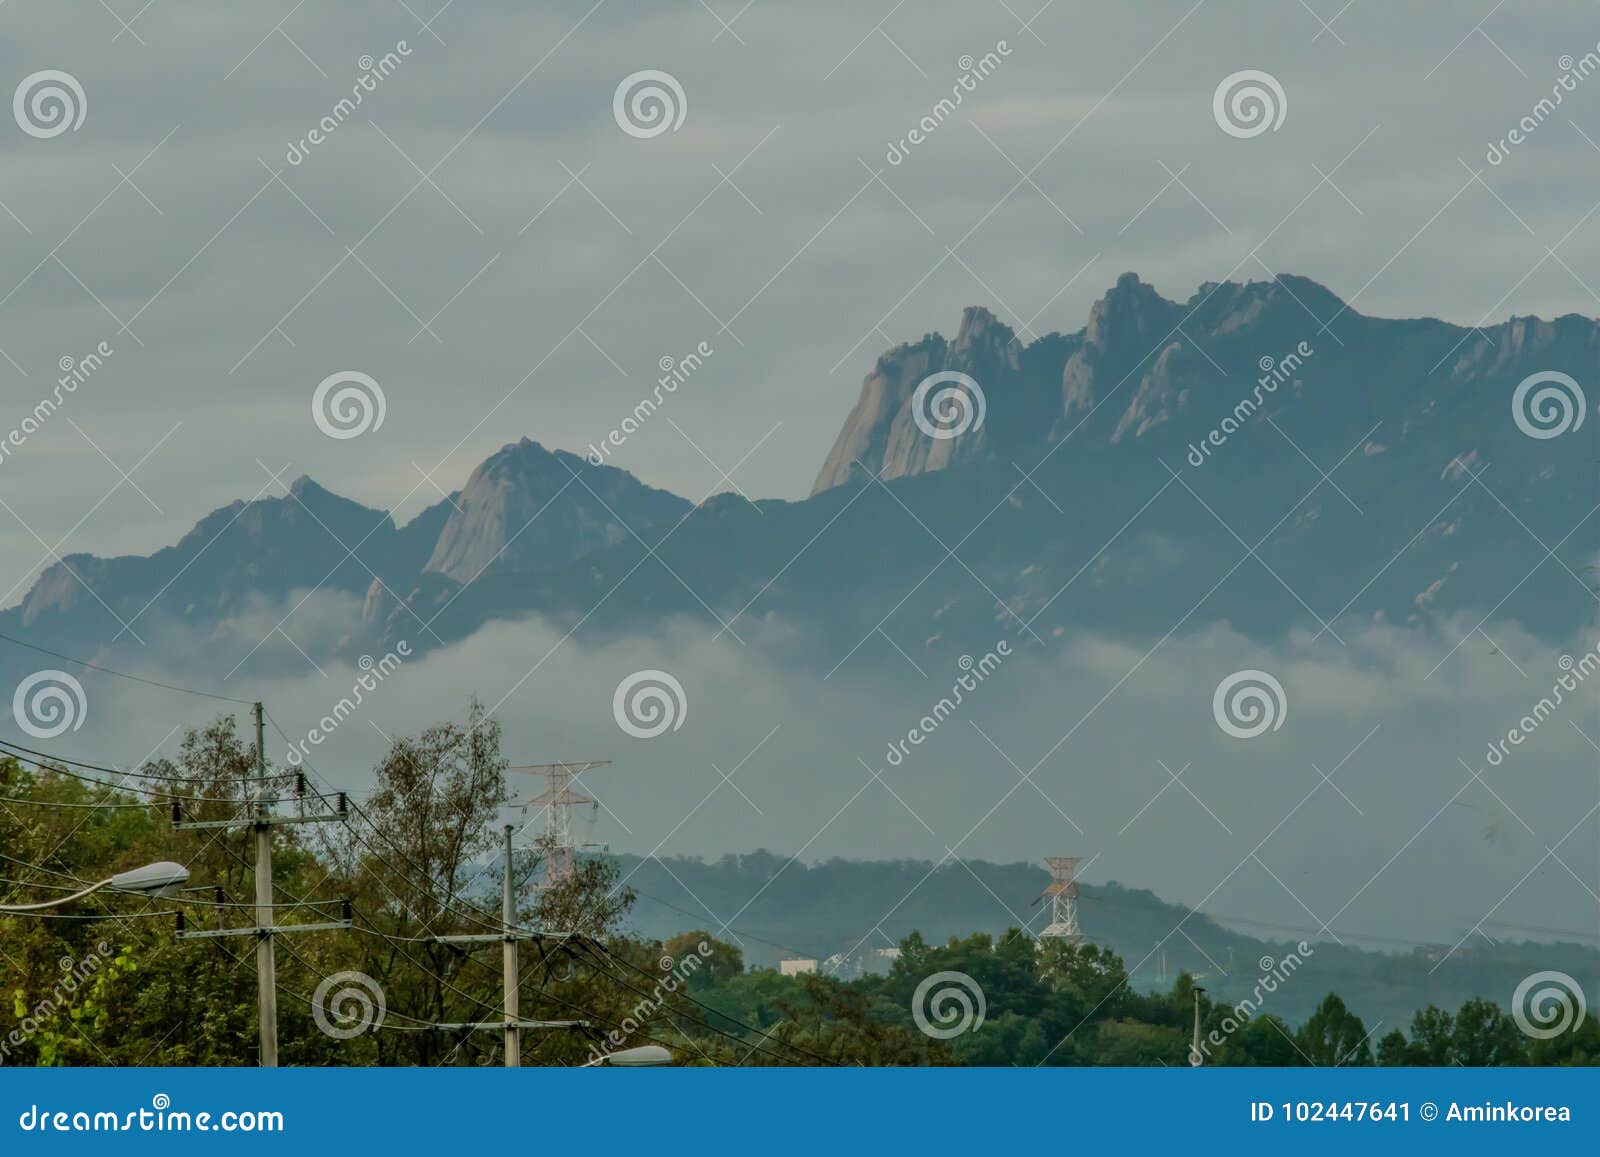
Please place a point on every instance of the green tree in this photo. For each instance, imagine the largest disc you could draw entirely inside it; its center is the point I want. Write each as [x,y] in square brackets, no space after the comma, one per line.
[1485,1036]
[1334,1035]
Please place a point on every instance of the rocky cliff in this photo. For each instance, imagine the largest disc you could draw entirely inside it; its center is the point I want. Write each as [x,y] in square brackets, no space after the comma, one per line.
[527,509]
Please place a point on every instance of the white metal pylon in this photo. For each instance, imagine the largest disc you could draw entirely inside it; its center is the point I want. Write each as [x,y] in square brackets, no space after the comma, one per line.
[558,799]
[1063,893]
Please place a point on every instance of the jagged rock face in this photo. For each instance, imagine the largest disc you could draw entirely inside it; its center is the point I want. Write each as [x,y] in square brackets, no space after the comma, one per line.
[1515,342]
[1124,326]
[1397,410]
[1148,369]
[527,509]
[1034,393]
[882,435]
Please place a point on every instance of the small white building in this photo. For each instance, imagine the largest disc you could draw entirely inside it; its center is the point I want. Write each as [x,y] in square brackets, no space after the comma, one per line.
[796,965]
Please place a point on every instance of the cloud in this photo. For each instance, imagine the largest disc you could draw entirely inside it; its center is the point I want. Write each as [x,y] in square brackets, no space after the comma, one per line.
[520,265]
[1106,749]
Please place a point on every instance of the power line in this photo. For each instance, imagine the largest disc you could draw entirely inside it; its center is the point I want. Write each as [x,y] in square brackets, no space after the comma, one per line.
[499,927]
[423,1024]
[471,911]
[15,746]
[122,674]
[712,1028]
[509,932]
[1222,920]
[374,932]
[33,756]
[82,919]
[41,868]
[594,946]
[742,932]
[79,806]
[261,824]
[154,793]
[417,1025]
[358,928]
[38,759]
[581,941]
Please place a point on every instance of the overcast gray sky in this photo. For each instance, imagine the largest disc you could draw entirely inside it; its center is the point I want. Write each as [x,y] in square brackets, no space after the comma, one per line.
[555,259]
[484,240]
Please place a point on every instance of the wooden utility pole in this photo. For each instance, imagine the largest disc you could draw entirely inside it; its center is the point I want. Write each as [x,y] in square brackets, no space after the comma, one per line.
[261,819]
[266,952]
[509,970]
[510,937]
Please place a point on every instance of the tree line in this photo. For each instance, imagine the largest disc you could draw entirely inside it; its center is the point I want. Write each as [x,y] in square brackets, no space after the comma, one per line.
[104,981]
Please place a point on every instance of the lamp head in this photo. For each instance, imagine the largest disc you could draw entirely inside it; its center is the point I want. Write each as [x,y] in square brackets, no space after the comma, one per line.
[159,879]
[645,1056]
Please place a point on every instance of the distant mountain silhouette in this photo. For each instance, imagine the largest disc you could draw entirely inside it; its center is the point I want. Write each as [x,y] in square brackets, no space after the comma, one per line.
[788,908]
[1260,453]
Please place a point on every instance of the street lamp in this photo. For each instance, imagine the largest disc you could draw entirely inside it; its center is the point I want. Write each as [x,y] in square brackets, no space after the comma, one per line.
[159,879]
[645,1056]
[1196,1058]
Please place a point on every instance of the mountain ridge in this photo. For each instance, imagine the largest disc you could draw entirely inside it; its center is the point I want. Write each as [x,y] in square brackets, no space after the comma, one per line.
[790,908]
[1076,430]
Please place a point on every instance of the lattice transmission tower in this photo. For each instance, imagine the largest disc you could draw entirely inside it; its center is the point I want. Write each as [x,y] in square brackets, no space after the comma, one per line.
[558,799]
[1063,893]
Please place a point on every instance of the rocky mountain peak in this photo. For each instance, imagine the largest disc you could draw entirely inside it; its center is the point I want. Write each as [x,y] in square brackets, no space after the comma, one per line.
[526,508]
[1130,314]
[1139,361]
[1143,382]
[980,330]
[882,434]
